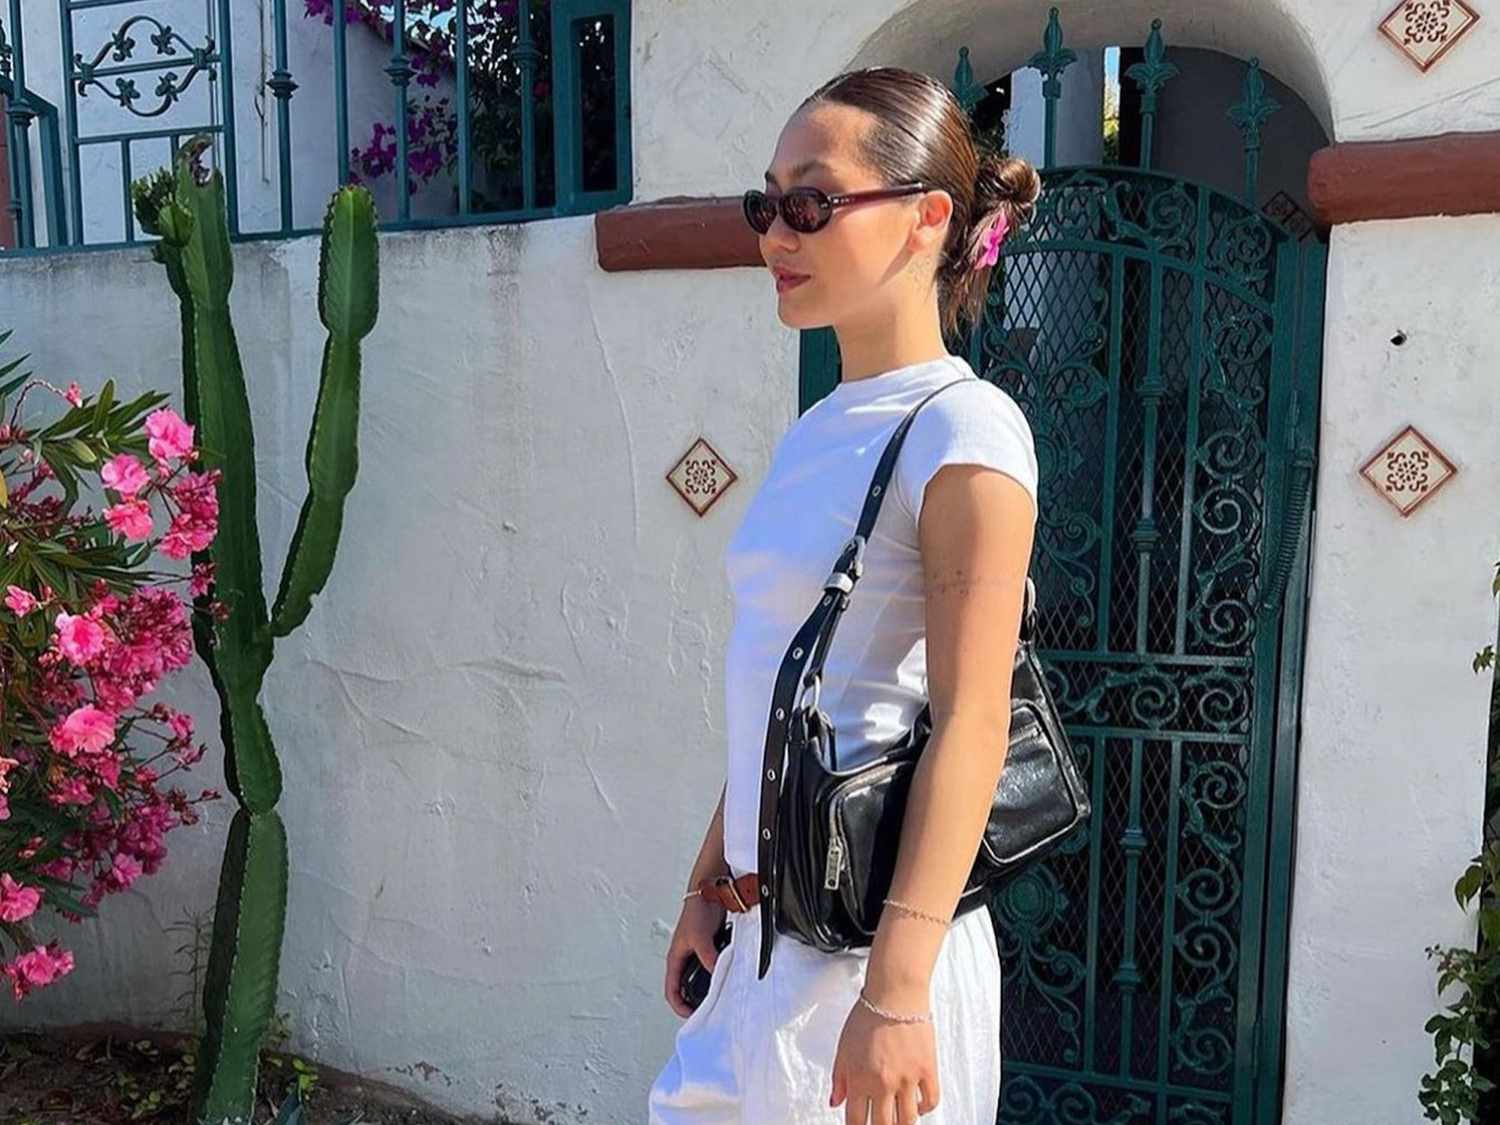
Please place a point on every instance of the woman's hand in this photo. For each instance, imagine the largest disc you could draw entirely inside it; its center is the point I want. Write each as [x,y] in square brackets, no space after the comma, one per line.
[885,1071]
[696,925]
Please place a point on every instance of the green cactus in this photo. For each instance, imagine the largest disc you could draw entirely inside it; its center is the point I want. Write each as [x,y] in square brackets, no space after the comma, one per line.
[185,208]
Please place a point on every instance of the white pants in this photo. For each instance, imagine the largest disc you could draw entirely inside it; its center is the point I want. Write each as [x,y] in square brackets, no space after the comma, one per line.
[760,1052]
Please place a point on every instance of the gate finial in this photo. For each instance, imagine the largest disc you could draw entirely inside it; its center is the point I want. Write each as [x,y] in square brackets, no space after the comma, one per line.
[1151,75]
[1052,60]
[1249,114]
[968,92]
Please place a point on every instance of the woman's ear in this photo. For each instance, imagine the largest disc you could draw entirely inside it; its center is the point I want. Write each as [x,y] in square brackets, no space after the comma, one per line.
[934,210]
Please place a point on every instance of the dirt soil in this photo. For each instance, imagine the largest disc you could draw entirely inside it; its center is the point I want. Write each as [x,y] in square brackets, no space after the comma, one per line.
[108,1074]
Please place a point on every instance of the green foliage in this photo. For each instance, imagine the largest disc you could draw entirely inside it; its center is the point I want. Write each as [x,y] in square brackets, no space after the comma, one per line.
[1464,1090]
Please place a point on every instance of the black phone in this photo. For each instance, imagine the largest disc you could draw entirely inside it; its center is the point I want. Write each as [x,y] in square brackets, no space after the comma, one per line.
[695,976]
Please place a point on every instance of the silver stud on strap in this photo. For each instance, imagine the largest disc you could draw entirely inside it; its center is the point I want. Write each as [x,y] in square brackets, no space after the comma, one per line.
[765,833]
[770,775]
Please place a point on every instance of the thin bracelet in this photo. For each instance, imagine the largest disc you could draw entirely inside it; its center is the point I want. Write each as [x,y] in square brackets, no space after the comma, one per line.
[909,909]
[691,893]
[920,1017]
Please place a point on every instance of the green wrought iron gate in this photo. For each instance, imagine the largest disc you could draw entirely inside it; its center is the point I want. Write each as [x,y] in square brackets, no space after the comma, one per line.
[1163,339]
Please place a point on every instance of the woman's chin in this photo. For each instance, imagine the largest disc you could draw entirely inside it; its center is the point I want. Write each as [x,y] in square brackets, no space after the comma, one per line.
[797,314]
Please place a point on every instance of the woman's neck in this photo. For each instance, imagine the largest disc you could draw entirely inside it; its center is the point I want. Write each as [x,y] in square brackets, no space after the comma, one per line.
[893,340]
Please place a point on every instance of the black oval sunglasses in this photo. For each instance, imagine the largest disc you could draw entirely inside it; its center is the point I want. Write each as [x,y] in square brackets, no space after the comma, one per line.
[808,209]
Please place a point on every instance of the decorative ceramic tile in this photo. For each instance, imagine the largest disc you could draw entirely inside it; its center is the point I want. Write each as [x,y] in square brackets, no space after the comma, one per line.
[1425,29]
[1408,470]
[1284,209]
[701,476]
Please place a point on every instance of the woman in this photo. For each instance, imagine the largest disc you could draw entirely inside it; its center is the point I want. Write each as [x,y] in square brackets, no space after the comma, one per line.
[910,1026]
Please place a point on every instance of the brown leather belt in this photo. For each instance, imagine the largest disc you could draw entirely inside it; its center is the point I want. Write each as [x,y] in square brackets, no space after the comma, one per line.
[737,895]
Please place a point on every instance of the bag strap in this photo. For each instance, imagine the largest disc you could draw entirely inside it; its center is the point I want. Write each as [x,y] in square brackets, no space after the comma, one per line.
[809,648]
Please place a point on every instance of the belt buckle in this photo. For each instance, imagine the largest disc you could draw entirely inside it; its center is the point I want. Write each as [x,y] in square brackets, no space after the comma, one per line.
[727,881]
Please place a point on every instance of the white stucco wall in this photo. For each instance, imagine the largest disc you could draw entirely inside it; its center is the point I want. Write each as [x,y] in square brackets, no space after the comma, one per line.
[487,851]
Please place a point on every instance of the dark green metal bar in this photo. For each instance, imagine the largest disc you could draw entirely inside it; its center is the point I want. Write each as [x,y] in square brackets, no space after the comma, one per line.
[400,70]
[1111,451]
[341,88]
[1211,1098]
[1149,659]
[1098,797]
[1260,755]
[281,86]
[1101,730]
[1051,60]
[461,95]
[1151,74]
[1309,365]
[19,113]
[54,191]
[143,135]
[1133,843]
[225,73]
[528,55]
[125,190]
[1194,405]
[1152,387]
[1164,989]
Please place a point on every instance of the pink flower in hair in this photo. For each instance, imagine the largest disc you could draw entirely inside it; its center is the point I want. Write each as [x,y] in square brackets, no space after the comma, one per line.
[988,252]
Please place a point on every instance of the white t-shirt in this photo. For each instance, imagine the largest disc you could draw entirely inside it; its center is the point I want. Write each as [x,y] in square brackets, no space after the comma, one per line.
[875,676]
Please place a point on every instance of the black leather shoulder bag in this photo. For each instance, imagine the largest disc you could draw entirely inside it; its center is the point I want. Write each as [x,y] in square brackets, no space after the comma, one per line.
[829,837]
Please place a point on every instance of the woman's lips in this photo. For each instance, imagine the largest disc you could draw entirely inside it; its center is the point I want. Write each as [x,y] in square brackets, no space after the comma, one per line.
[786,281]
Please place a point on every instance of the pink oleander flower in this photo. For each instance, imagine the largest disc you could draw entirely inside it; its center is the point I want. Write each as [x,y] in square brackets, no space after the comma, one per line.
[130,518]
[42,965]
[20,601]
[80,638]
[123,473]
[71,791]
[8,764]
[202,580]
[86,729]
[17,901]
[74,394]
[170,435]
[124,871]
[180,722]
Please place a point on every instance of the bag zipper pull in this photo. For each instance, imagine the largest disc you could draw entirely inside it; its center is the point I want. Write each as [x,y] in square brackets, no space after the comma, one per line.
[834,864]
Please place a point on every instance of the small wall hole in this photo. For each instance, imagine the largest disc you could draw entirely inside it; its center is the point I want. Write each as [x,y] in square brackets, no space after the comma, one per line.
[1399,338]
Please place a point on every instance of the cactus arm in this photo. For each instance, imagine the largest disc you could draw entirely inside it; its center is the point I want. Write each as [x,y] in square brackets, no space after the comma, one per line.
[348,295]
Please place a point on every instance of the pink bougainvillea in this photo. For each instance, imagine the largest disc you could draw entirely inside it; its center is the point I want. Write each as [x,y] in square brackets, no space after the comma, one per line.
[86,762]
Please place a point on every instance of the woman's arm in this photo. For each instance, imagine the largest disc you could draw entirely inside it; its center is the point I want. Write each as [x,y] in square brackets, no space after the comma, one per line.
[710,859]
[975,535]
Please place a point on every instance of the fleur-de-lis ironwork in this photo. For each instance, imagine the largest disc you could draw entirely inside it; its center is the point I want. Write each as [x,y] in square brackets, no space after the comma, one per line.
[1249,114]
[162,40]
[4,52]
[1151,74]
[1052,60]
[121,45]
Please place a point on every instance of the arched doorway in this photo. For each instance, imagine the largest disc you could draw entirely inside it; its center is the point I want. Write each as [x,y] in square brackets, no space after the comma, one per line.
[1163,336]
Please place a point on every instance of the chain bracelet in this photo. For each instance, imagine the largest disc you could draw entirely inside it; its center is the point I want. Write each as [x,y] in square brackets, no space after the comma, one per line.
[912,910]
[920,1017]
